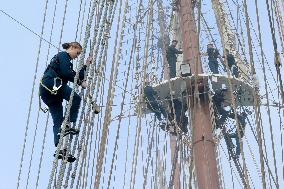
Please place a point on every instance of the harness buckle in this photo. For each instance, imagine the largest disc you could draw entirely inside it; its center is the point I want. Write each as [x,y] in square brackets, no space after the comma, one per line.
[55,88]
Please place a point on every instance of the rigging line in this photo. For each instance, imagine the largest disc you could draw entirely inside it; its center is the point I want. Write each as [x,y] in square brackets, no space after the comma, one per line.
[45,131]
[33,146]
[151,139]
[80,37]
[127,140]
[42,150]
[265,157]
[99,83]
[63,23]
[123,99]
[144,66]
[55,162]
[133,70]
[277,64]
[114,69]
[98,132]
[63,163]
[90,89]
[279,21]
[78,20]
[231,167]
[262,164]
[258,40]
[23,25]
[276,54]
[149,152]
[103,67]
[32,94]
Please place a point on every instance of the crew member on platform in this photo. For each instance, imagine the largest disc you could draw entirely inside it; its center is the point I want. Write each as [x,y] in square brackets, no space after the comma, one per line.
[54,89]
[221,114]
[152,103]
[172,58]
[213,55]
[232,64]
[242,124]
[179,109]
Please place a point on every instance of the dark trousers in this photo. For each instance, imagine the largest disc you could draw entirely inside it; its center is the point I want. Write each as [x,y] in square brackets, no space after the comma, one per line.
[154,106]
[213,65]
[235,71]
[223,115]
[54,103]
[172,67]
[238,146]
[179,115]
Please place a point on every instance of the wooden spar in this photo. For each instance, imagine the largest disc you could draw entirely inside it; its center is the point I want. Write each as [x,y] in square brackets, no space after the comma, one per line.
[203,145]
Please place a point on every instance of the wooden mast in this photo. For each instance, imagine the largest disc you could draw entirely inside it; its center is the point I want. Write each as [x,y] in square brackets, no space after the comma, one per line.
[203,145]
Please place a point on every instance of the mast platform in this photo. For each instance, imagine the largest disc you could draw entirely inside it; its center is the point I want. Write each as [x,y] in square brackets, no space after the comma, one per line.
[214,81]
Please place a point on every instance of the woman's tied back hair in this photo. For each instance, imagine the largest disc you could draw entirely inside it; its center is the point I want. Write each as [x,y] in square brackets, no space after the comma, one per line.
[71,44]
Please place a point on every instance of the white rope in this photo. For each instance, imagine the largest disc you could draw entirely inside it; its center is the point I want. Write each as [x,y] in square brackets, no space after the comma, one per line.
[31,98]
[55,162]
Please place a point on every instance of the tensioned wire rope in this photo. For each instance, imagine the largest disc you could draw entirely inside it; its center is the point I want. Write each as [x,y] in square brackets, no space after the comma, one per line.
[46,124]
[30,164]
[136,76]
[89,91]
[55,162]
[207,26]
[139,112]
[85,174]
[85,97]
[123,100]
[63,164]
[102,53]
[32,94]
[230,83]
[102,86]
[150,132]
[114,69]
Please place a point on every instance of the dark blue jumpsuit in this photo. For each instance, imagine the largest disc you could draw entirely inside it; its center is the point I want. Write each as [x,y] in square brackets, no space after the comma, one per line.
[242,124]
[218,99]
[172,59]
[213,62]
[232,65]
[152,103]
[60,66]
[181,118]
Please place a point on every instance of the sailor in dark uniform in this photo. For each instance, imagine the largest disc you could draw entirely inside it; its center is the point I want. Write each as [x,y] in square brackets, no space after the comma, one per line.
[172,58]
[221,114]
[232,64]
[152,103]
[213,55]
[242,124]
[54,89]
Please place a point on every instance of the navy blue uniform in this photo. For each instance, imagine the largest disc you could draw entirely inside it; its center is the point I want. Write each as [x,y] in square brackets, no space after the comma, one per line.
[218,99]
[232,65]
[242,124]
[60,67]
[179,109]
[172,59]
[213,54]
[152,103]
